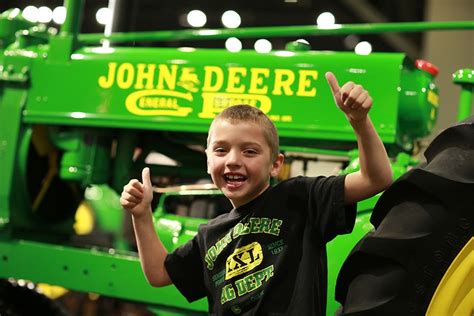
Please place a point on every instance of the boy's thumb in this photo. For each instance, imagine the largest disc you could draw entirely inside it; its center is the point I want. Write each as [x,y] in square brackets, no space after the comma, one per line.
[333,84]
[146,178]
[335,88]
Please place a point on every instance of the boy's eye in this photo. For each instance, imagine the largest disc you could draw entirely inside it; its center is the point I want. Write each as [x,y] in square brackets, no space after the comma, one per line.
[219,150]
[250,151]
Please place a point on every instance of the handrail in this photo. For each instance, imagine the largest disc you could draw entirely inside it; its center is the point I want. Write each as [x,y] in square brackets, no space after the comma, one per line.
[276,31]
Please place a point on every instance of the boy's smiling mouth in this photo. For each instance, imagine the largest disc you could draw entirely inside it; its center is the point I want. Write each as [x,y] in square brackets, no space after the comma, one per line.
[234,180]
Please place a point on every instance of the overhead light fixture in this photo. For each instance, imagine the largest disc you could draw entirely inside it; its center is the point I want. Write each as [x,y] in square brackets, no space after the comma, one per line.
[231,19]
[45,14]
[30,13]
[326,20]
[233,45]
[196,18]
[363,48]
[263,46]
[59,15]
[103,16]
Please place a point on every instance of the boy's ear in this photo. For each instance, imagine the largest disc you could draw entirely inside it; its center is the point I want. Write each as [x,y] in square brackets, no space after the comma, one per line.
[277,164]
[207,162]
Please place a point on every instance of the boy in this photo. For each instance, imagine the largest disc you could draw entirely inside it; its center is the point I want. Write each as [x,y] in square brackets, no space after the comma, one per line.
[268,255]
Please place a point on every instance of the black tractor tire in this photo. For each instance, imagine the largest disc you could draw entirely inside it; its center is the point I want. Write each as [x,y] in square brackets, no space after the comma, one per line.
[422,222]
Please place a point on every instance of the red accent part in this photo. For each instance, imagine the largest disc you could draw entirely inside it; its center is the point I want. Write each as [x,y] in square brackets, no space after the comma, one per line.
[427,66]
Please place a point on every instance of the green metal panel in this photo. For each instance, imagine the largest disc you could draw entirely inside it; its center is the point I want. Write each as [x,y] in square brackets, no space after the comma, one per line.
[419,102]
[464,78]
[175,231]
[87,154]
[11,200]
[108,273]
[180,90]
[10,22]
[337,251]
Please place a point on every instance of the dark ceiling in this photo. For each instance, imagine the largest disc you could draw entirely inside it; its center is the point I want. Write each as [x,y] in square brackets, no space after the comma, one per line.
[148,15]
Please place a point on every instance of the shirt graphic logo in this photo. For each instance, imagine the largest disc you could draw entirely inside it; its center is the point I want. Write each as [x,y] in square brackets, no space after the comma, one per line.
[243,259]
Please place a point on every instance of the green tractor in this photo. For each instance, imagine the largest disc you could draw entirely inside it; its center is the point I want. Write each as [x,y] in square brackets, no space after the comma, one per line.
[79,119]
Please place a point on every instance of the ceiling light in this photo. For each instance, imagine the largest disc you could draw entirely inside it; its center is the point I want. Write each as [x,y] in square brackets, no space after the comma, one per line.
[45,14]
[30,13]
[263,46]
[196,18]
[103,16]
[363,48]
[326,20]
[231,19]
[59,15]
[233,45]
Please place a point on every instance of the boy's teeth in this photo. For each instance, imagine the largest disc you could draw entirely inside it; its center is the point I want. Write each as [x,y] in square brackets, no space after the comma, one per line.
[231,177]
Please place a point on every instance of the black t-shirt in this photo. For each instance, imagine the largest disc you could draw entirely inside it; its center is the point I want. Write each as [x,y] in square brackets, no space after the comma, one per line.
[267,257]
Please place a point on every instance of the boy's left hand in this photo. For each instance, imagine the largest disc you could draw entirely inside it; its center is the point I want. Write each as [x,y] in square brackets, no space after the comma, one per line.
[351,98]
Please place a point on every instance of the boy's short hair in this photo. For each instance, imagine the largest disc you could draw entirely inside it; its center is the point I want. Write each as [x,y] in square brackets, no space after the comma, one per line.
[247,113]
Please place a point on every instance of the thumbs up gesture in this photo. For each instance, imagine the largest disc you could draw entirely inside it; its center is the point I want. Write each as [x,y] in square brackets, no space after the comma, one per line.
[351,98]
[137,196]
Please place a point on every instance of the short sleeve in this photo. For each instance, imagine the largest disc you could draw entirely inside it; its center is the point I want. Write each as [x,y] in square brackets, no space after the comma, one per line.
[184,266]
[330,215]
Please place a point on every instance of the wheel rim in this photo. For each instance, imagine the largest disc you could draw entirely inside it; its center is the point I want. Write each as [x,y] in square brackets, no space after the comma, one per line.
[455,292]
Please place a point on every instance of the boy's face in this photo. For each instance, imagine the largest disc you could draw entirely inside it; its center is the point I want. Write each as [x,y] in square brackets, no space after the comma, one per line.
[239,160]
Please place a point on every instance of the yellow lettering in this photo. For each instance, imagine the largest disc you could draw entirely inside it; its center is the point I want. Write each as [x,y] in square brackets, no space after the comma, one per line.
[281,82]
[256,80]
[125,75]
[243,259]
[208,79]
[107,82]
[305,82]
[233,83]
[214,103]
[168,76]
[147,76]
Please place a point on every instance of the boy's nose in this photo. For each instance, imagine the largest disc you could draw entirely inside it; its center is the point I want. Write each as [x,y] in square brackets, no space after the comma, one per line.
[233,158]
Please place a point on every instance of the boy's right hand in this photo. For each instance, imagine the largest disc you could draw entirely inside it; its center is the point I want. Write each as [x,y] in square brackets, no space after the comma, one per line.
[137,196]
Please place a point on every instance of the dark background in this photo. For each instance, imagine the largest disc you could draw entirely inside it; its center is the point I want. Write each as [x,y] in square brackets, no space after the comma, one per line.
[150,15]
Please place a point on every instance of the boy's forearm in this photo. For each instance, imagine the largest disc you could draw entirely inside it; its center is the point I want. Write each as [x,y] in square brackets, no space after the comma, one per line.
[151,250]
[373,159]
[375,173]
